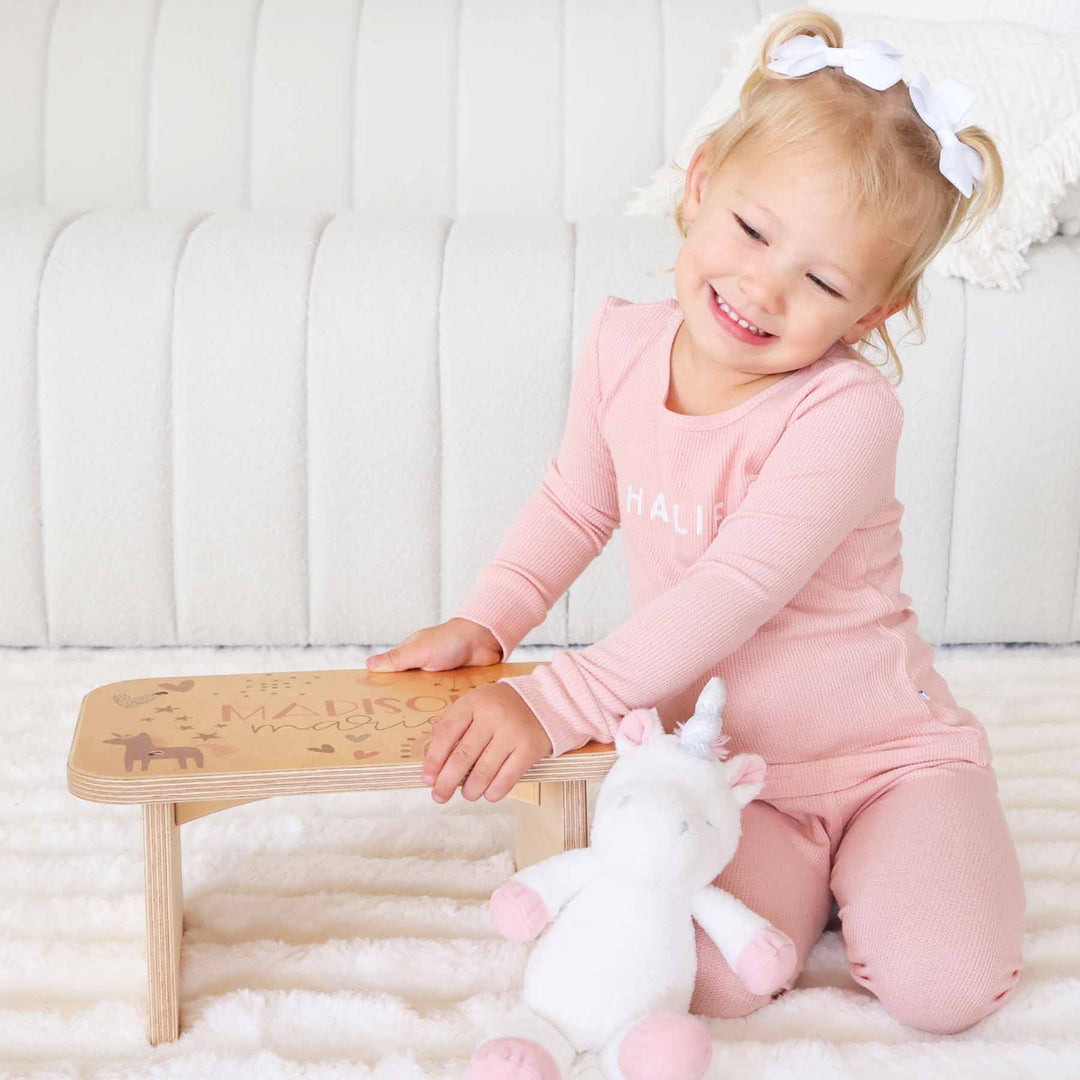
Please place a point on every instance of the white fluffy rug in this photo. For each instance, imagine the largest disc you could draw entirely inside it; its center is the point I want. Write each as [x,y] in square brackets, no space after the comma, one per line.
[347,935]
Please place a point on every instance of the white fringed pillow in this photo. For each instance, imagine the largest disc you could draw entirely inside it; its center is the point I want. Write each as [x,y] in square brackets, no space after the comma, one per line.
[1027,86]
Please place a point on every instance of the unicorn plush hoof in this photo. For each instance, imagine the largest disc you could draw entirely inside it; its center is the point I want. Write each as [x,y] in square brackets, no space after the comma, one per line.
[767,961]
[512,1058]
[665,1046]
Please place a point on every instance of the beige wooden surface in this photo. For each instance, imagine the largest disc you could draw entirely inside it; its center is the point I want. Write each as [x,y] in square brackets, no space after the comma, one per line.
[186,746]
[164,894]
[216,740]
[557,822]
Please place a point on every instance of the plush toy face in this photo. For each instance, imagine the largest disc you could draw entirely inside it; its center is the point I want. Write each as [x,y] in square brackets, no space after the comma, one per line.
[667,817]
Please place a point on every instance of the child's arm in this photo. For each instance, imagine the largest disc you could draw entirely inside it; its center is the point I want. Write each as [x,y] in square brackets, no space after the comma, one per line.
[833,467]
[562,527]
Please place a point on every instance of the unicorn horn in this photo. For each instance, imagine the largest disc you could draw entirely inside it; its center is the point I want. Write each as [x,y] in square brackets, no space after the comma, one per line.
[700,735]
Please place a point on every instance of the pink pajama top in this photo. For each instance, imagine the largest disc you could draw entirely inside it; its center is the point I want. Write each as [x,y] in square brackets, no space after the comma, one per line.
[763,545]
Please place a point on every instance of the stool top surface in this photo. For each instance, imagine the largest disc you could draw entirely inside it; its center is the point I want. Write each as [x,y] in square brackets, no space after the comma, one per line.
[156,739]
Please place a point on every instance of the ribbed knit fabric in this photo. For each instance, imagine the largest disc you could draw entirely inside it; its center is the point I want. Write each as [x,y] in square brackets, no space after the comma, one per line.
[763,545]
[928,882]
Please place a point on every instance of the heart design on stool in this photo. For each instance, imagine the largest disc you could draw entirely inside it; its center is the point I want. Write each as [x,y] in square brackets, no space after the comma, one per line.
[326,748]
[357,738]
[187,684]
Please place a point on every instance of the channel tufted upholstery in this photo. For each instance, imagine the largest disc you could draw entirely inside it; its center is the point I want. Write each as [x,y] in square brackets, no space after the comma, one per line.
[291,293]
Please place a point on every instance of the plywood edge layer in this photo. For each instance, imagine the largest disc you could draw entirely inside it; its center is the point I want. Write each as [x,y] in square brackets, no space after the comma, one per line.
[240,785]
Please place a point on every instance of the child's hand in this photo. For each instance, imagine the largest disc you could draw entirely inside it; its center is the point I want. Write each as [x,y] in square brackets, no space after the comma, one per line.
[489,734]
[452,644]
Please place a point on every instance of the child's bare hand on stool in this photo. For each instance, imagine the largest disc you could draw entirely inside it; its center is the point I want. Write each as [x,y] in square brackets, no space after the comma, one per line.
[488,734]
[452,644]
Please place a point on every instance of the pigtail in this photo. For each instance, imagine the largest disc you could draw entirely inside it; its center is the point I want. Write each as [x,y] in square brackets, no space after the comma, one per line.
[786,26]
[987,193]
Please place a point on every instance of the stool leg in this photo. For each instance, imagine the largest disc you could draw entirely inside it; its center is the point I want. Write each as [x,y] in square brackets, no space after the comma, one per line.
[560,821]
[164,919]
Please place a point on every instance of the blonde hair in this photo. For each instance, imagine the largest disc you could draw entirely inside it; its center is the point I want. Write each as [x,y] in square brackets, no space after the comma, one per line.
[886,153]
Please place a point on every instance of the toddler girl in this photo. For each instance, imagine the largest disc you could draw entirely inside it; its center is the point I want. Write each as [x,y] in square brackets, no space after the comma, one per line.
[748,452]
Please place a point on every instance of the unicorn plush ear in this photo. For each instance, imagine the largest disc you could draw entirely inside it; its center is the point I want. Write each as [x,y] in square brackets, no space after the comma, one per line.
[746,775]
[638,727]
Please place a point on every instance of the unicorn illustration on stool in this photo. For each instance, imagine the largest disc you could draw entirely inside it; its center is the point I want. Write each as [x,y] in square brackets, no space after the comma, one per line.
[141,748]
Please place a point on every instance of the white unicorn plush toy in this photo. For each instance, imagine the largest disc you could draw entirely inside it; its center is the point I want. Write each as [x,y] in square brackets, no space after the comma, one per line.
[614,972]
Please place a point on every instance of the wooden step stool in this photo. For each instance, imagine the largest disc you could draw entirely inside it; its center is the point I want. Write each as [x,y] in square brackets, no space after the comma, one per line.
[188,746]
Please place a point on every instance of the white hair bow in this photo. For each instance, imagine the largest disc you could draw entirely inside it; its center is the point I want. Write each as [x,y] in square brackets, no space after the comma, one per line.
[961,164]
[872,62]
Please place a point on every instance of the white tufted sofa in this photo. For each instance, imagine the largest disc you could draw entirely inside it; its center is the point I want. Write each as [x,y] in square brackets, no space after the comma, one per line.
[291,292]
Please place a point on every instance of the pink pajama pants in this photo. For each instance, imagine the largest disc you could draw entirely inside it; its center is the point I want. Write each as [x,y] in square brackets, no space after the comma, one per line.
[923,868]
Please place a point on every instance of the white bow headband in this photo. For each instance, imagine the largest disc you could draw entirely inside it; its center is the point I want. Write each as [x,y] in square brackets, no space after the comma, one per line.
[876,64]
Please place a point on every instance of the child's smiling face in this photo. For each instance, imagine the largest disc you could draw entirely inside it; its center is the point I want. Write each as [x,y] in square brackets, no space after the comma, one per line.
[772,238]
